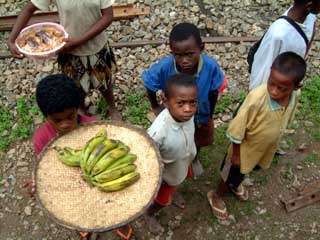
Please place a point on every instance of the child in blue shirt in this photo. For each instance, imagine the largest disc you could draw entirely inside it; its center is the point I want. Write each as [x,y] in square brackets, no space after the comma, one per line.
[187,57]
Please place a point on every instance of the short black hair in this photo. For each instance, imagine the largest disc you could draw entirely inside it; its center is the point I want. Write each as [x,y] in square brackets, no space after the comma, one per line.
[178,80]
[56,93]
[291,64]
[183,31]
[301,2]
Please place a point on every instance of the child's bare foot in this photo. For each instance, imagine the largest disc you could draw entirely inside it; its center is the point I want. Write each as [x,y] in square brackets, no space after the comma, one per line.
[153,225]
[115,115]
[241,193]
[178,200]
[218,206]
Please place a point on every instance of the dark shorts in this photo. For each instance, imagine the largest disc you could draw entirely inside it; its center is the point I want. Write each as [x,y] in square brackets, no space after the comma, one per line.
[101,70]
[203,135]
[230,174]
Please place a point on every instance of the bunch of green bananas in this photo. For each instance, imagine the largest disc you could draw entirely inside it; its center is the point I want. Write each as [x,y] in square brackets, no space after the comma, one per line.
[105,163]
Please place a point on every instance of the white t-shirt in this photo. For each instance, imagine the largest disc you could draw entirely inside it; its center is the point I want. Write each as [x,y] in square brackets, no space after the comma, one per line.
[77,17]
[280,37]
[176,144]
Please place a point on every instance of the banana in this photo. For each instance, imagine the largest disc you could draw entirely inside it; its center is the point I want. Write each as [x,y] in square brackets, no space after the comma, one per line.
[89,147]
[102,133]
[67,158]
[100,150]
[119,183]
[109,158]
[72,151]
[71,160]
[127,159]
[109,175]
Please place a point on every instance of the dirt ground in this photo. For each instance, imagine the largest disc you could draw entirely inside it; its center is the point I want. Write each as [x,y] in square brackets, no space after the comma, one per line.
[262,217]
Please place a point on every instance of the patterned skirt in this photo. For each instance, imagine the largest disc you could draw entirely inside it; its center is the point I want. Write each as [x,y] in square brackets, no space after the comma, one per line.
[90,72]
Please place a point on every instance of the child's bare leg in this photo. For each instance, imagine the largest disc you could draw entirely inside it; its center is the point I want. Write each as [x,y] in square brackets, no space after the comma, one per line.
[219,193]
[217,204]
[109,97]
[152,223]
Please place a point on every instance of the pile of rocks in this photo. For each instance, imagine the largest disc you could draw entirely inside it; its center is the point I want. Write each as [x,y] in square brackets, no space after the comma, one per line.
[214,18]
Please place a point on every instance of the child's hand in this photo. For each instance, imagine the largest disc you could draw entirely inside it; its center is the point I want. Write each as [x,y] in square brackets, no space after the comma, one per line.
[158,109]
[14,50]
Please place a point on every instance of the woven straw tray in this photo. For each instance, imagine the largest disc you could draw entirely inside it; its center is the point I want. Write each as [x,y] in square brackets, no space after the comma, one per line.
[71,202]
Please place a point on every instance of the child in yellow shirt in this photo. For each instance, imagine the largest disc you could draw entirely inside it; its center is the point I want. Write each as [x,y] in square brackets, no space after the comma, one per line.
[257,128]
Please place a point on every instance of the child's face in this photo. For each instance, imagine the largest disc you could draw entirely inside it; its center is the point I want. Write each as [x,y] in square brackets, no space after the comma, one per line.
[280,87]
[183,103]
[65,121]
[186,54]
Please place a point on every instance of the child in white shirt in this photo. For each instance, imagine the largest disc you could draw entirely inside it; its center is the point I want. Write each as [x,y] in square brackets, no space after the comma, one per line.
[283,37]
[173,132]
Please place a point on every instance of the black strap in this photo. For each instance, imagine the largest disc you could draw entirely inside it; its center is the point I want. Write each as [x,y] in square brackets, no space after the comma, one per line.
[297,27]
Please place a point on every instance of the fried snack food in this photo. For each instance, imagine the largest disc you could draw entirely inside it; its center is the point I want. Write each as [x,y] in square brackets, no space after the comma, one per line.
[41,39]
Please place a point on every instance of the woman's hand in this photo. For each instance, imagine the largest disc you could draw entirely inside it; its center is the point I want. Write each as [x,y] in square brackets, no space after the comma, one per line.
[14,50]
[71,43]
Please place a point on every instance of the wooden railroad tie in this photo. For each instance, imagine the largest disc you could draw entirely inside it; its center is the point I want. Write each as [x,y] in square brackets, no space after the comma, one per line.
[309,195]
[124,11]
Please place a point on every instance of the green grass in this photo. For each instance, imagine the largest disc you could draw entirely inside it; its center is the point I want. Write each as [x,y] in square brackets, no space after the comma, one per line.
[21,126]
[223,104]
[312,158]
[261,177]
[240,208]
[102,107]
[287,173]
[137,108]
[310,109]
[220,135]
[275,160]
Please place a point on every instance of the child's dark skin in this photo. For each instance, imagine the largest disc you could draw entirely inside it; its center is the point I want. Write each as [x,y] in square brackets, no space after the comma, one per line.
[65,121]
[186,54]
[182,105]
[299,13]
[280,88]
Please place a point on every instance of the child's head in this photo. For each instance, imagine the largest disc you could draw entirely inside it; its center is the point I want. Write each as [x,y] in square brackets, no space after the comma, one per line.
[181,97]
[311,6]
[58,98]
[287,72]
[186,46]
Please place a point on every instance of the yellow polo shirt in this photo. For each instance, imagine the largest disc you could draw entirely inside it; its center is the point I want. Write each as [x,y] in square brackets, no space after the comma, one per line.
[258,127]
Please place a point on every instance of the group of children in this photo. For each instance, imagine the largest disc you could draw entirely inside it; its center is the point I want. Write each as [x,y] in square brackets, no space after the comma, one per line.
[189,83]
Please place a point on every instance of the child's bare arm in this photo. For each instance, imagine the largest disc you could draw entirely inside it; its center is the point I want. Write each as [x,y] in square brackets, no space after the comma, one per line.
[213,98]
[97,28]
[21,22]
[235,158]
[156,107]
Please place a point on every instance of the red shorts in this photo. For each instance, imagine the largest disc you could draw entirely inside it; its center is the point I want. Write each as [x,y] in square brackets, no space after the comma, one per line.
[164,197]
[203,135]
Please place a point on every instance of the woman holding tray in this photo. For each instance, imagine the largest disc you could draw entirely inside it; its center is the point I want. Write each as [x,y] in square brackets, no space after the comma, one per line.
[86,57]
